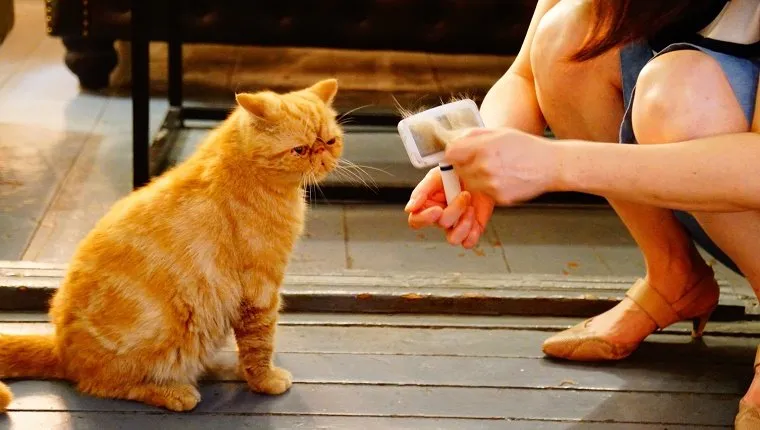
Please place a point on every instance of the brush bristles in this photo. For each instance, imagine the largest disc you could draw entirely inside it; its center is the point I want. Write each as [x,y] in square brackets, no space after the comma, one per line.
[407,112]
[431,135]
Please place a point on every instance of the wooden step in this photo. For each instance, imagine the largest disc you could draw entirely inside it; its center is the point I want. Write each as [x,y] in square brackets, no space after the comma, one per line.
[26,285]
[378,372]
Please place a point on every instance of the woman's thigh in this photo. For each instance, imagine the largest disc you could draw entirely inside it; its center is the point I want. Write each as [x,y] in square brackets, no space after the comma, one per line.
[688,93]
[685,94]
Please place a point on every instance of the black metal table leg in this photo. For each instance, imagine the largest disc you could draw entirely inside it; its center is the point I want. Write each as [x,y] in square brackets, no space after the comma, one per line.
[140,94]
[175,73]
[163,142]
[175,55]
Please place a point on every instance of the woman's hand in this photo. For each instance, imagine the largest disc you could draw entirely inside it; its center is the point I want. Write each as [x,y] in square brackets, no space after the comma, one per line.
[464,220]
[507,165]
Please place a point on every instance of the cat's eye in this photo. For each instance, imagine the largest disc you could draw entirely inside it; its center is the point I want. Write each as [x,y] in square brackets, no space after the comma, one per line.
[300,150]
[331,141]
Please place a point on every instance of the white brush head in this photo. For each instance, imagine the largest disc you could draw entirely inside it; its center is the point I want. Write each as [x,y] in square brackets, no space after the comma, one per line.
[426,134]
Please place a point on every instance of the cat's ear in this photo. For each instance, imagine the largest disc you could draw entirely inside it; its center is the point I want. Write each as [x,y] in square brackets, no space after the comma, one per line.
[262,105]
[325,90]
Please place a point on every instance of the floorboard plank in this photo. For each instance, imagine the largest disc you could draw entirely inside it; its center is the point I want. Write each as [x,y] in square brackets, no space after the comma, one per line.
[534,242]
[32,167]
[116,421]
[470,342]
[470,403]
[493,372]
[119,421]
[405,280]
[746,329]
[416,292]
[101,175]
[502,343]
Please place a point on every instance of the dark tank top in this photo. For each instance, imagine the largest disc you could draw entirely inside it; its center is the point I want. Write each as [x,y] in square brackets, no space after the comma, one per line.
[687,27]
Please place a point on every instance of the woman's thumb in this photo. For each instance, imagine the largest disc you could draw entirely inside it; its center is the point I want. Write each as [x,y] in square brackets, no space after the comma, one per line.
[462,148]
[459,152]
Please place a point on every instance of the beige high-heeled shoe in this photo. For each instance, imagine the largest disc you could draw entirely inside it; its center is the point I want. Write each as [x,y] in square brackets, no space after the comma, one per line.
[748,417]
[579,343]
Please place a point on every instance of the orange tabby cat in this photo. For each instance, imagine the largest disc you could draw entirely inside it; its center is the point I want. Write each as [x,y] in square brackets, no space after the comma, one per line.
[172,269]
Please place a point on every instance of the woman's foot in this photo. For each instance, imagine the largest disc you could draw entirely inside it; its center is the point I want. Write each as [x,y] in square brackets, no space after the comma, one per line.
[616,333]
[749,407]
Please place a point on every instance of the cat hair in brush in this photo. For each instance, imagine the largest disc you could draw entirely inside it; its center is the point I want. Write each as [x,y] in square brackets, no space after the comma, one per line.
[426,134]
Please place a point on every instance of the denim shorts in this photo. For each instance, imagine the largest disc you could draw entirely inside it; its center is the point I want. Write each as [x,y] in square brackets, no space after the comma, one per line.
[742,75]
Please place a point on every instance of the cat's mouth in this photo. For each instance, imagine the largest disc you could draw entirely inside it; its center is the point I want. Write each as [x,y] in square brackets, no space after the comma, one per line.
[321,168]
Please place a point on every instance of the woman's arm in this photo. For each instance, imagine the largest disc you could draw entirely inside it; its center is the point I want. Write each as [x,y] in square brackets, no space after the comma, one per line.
[714,174]
[512,101]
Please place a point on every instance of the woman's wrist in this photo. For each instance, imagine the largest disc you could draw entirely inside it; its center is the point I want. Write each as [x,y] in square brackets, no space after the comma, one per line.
[566,166]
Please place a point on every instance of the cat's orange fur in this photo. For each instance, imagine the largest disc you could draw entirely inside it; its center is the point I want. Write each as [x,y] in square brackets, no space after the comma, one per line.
[5,397]
[173,268]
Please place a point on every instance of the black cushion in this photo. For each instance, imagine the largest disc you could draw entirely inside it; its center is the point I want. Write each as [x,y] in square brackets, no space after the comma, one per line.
[438,26]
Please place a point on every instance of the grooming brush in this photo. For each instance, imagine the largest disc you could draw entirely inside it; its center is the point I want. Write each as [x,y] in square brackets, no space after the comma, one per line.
[426,134]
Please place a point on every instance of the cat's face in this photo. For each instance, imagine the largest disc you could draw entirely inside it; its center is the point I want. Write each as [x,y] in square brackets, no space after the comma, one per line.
[296,134]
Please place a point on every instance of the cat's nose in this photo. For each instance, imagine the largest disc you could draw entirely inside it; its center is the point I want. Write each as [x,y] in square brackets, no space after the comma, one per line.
[318,148]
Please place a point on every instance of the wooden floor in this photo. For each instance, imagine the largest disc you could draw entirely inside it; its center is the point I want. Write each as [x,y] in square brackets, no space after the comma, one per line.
[412,372]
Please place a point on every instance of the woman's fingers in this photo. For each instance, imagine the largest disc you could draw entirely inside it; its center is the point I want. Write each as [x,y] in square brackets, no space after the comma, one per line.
[473,237]
[462,230]
[455,210]
[428,186]
[425,218]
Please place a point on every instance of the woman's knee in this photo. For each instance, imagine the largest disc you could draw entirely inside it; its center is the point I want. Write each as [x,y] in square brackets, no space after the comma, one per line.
[560,34]
[684,95]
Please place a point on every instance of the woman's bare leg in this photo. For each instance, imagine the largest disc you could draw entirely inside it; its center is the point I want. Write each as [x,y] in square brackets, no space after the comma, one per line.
[668,111]
[584,101]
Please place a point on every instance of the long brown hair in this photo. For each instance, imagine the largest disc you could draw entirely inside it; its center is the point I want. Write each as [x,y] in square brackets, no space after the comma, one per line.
[617,22]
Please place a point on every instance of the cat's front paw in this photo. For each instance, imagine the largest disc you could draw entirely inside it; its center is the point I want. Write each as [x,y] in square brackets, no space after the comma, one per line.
[275,381]
[181,398]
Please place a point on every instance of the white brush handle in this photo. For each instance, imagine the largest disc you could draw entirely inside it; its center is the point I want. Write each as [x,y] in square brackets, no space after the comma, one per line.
[451,186]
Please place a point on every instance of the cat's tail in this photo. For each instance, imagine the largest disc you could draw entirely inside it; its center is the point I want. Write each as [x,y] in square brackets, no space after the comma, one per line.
[5,397]
[27,356]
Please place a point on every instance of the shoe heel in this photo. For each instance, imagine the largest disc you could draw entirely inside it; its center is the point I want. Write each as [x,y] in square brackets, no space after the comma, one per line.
[699,324]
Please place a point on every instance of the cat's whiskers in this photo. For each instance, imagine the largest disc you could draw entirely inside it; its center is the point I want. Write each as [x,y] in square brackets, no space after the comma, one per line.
[343,170]
[351,164]
[347,169]
[306,184]
[338,172]
[342,117]
[315,182]
[345,121]
[343,176]
[356,169]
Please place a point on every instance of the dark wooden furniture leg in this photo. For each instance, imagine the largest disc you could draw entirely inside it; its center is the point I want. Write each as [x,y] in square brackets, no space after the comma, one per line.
[91,60]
